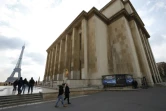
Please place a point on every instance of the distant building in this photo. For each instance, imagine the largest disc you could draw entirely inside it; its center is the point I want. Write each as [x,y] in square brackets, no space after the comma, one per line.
[162,69]
[109,41]
[2,83]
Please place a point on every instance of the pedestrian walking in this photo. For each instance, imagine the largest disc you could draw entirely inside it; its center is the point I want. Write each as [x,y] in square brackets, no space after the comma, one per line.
[15,84]
[67,92]
[20,83]
[144,83]
[31,84]
[60,96]
[25,84]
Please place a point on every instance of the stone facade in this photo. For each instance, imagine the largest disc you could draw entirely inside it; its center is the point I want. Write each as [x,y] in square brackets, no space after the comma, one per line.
[112,40]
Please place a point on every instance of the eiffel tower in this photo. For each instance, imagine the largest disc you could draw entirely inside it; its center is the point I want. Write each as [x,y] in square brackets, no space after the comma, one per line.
[11,79]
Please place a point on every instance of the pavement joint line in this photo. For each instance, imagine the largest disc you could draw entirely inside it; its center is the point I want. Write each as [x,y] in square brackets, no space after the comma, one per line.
[38,103]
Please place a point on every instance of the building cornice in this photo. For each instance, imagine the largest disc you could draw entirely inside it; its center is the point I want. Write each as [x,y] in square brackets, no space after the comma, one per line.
[107,5]
[95,11]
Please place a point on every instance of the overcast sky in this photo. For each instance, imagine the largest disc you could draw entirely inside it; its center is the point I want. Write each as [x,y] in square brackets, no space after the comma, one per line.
[37,23]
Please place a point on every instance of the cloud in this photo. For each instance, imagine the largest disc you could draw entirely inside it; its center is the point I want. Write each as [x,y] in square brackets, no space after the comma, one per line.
[10,43]
[148,2]
[157,40]
[36,57]
[4,23]
[18,8]
[29,58]
[157,6]
[158,51]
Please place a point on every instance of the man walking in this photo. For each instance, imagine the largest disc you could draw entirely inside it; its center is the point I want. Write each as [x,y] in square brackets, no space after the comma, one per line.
[31,84]
[20,83]
[60,96]
[15,84]
[67,92]
[25,83]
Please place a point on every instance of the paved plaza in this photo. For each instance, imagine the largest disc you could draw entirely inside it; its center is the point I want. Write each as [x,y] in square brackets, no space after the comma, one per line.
[152,99]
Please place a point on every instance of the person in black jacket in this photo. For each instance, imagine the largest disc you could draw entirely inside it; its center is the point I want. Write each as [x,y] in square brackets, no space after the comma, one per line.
[15,84]
[67,92]
[60,96]
[25,83]
[31,84]
[20,83]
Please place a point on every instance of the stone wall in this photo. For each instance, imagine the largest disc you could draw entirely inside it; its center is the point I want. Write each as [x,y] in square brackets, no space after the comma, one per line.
[122,54]
[76,83]
[113,8]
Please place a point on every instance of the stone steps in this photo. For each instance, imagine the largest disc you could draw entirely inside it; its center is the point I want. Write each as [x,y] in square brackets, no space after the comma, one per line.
[16,100]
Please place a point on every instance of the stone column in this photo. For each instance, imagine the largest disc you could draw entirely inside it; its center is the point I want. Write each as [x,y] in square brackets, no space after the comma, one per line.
[61,60]
[142,56]
[70,56]
[148,56]
[50,64]
[54,63]
[46,67]
[67,54]
[154,63]
[84,49]
[57,61]
[75,55]
[134,55]
[72,52]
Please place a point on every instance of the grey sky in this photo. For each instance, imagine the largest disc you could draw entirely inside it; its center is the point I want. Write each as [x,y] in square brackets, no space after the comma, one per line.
[10,43]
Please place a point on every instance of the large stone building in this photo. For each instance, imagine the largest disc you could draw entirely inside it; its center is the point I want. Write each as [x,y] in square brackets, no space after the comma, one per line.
[112,40]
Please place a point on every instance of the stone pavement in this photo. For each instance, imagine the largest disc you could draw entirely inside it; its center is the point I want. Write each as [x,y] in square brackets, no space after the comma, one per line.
[152,99]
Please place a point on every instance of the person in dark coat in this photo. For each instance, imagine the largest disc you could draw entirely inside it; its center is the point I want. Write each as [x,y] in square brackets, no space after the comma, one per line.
[60,96]
[67,92]
[15,84]
[25,83]
[135,84]
[31,84]
[20,83]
